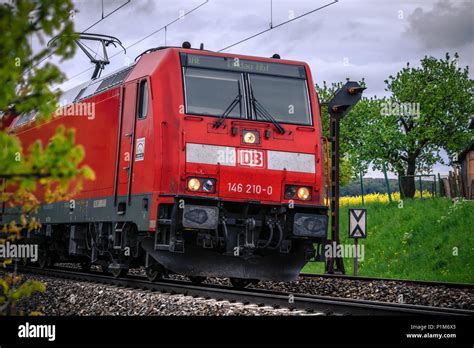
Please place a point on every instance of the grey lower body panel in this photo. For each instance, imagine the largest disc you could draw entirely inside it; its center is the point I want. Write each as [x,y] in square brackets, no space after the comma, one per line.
[90,210]
[248,240]
[196,261]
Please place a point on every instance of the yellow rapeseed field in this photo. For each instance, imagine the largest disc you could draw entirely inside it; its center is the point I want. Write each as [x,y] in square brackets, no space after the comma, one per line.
[376,198]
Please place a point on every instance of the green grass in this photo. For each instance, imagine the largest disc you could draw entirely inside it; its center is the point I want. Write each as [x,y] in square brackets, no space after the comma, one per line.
[427,239]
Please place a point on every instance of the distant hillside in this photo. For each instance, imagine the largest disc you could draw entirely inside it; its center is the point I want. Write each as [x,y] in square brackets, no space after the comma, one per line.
[377,185]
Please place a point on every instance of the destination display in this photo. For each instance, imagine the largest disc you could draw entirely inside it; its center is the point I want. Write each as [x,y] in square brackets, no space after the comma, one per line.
[236,64]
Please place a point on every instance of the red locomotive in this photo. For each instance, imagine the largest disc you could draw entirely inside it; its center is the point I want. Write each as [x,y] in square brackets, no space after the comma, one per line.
[207,164]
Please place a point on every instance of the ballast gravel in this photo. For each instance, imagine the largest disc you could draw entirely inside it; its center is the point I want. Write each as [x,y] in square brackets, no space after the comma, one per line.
[371,290]
[138,302]
[69,298]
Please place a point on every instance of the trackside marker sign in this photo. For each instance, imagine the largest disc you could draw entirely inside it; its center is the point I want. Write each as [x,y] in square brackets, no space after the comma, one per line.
[357,223]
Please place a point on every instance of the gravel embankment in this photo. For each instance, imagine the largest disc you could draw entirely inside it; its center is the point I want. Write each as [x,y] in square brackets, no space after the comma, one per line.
[373,290]
[67,297]
[378,290]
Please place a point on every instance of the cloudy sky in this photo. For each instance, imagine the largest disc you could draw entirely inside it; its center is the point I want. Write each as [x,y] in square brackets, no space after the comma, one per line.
[348,39]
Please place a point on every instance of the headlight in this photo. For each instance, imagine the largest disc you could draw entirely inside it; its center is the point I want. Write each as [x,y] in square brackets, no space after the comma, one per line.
[251,137]
[194,184]
[303,193]
[290,192]
[208,185]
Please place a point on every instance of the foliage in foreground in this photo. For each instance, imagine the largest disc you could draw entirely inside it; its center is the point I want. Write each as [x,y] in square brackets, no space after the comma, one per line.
[26,84]
[12,289]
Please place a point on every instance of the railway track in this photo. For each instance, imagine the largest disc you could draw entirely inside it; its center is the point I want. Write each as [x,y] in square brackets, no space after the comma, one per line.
[409,282]
[309,303]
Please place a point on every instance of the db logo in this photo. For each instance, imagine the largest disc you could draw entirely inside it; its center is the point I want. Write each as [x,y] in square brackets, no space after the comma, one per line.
[251,158]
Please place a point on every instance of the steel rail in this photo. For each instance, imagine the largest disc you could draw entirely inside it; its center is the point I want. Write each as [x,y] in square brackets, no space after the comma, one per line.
[406,281]
[310,303]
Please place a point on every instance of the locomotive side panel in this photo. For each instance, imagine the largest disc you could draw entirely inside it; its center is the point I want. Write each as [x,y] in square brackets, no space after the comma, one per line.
[96,131]
[166,81]
[94,122]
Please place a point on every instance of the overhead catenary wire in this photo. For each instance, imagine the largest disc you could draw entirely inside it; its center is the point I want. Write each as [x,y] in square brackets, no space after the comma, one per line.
[165,27]
[107,15]
[168,24]
[278,25]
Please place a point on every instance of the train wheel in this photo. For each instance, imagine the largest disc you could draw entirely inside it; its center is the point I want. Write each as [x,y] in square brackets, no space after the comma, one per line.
[240,283]
[119,272]
[152,274]
[197,280]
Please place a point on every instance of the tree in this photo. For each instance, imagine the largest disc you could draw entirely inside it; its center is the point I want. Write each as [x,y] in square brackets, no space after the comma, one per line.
[428,111]
[26,87]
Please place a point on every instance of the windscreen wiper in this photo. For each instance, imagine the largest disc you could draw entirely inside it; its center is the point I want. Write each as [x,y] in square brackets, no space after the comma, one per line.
[258,107]
[232,105]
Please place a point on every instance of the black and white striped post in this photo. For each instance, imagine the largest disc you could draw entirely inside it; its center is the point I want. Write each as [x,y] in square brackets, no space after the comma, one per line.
[357,229]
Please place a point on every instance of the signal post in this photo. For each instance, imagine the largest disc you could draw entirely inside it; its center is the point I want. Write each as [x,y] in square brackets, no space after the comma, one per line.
[344,99]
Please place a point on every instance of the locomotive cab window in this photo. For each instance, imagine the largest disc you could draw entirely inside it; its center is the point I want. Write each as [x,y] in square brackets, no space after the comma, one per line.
[143,99]
[240,88]
[286,99]
[211,92]
[25,118]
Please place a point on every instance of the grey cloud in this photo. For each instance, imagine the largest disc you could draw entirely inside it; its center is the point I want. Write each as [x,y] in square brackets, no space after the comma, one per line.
[369,33]
[446,25]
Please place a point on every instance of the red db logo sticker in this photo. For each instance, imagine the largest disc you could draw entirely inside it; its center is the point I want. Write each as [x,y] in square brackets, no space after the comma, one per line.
[251,158]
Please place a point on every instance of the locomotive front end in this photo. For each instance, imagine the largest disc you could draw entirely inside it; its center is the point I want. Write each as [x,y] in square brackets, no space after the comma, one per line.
[250,199]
